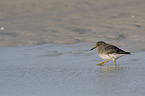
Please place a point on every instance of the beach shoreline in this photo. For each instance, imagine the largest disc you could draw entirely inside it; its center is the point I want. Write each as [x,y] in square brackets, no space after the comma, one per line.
[30,22]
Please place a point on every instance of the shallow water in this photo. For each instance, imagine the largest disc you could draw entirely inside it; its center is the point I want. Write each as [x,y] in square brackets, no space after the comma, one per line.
[68,70]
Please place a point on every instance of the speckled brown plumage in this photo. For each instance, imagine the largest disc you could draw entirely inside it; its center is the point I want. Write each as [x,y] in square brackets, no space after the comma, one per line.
[109,52]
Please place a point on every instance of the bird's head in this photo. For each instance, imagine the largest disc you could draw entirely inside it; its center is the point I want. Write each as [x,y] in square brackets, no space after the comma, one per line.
[99,43]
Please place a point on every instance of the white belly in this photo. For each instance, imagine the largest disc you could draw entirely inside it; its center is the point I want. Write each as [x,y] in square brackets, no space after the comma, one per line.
[113,56]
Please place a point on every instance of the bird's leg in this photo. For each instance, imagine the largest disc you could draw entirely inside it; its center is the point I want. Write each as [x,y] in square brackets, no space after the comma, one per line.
[103,62]
[115,62]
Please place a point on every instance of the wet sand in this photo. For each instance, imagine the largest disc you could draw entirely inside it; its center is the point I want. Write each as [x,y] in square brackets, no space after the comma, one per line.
[31,22]
[44,47]
[68,70]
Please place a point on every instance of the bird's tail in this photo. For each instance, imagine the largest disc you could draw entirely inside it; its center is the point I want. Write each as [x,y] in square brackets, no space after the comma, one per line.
[129,53]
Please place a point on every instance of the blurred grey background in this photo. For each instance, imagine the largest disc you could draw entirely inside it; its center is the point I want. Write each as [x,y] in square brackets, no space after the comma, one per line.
[33,22]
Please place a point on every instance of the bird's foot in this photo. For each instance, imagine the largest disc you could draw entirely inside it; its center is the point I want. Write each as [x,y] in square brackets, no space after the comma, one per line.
[102,63]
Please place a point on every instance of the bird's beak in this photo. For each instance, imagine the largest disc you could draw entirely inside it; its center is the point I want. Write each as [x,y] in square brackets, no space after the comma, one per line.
[93,48]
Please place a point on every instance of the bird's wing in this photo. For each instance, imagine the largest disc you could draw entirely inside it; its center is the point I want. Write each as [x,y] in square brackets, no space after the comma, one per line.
[113,49]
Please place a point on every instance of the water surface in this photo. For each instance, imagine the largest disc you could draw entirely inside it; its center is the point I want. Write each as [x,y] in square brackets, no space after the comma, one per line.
[68,70]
